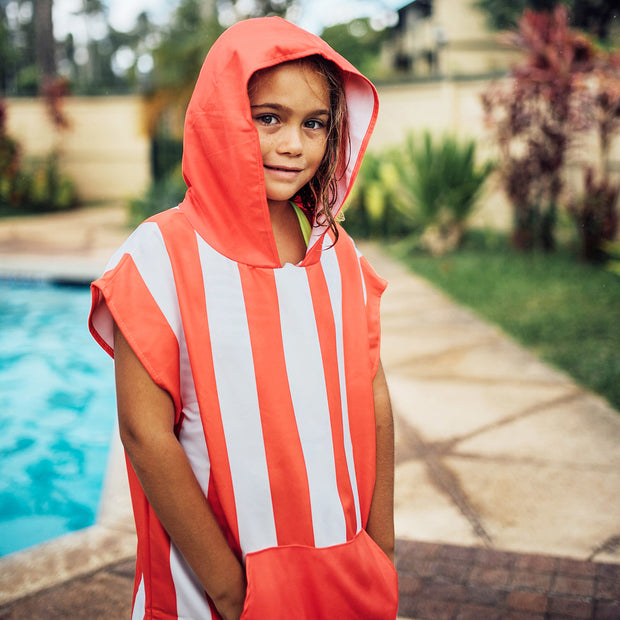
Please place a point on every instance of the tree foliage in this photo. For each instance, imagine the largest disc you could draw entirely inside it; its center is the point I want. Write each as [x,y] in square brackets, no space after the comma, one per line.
[593,16]
[563,86]
[358,42]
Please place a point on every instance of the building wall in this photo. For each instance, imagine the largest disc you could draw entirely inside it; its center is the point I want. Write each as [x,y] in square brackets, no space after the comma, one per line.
[105,151]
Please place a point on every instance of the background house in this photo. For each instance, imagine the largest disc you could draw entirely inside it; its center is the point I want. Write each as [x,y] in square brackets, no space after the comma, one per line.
[444,38]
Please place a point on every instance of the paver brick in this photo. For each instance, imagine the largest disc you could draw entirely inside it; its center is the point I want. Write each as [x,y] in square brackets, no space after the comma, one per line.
[608,589]
[458,554]
[495,559]
[486,595]
[538,563]
[578,586]
[527,601]
[482,575]
[408,585]
[476,612]
[454,571]
[607,610]
[445,591]
[569,566]
[541,582]
[608,571]
[432,609]
[571,606]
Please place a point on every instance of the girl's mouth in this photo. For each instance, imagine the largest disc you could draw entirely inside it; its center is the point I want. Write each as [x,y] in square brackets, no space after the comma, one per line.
[283,169]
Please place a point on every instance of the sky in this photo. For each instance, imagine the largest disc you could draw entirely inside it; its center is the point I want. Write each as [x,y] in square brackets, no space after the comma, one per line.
[314,14]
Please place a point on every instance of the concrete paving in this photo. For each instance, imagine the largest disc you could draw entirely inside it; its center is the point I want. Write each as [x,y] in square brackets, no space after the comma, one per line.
[507,472]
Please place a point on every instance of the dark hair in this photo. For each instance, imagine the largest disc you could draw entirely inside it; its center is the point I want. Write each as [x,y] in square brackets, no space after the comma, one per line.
[319,195]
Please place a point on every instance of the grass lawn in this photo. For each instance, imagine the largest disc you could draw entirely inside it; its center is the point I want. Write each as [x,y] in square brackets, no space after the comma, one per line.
[564,311]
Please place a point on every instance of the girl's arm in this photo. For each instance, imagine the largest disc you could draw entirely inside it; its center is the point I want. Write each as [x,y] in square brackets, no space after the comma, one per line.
[381,518]
[146,422]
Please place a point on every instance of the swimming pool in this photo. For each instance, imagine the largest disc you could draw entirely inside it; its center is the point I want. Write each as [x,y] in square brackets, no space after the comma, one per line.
[57,411]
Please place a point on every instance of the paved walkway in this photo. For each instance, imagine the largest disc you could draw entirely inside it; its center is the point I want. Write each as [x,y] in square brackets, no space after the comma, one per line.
[507,475]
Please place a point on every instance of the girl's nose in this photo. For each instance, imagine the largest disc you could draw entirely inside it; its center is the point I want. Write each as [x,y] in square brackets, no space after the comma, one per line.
[290,141]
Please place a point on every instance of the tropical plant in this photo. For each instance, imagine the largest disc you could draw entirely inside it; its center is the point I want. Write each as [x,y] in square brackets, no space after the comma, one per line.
[534,116]
[595,211]
[48,189]
[370,209]
[595,216]
[30,187]
[440,182]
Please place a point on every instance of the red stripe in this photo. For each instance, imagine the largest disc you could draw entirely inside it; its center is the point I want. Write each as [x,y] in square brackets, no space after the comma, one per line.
[327,340]
[182,247]
[153,552]
[283,452]
[359,384]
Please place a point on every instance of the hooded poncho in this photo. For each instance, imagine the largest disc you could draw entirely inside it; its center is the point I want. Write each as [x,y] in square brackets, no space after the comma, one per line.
[270,366]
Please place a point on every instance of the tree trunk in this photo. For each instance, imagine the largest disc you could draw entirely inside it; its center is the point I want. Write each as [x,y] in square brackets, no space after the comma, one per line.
[45,47]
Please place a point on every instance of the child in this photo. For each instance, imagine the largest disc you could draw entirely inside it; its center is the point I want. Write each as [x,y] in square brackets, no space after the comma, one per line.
[245,328]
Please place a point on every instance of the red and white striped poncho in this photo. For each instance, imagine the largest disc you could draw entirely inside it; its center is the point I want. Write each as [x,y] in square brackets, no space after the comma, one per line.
[270,366]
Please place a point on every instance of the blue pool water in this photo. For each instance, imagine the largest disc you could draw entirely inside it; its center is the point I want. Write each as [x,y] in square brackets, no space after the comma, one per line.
[57,411]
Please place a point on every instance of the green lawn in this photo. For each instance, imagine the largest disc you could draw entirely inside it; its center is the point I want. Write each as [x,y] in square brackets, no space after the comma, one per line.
[564,311]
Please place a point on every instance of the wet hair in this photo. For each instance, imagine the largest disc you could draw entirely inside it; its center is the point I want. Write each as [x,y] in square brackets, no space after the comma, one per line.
[319,195]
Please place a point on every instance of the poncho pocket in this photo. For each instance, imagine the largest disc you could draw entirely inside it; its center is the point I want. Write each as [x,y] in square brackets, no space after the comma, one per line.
[349,581]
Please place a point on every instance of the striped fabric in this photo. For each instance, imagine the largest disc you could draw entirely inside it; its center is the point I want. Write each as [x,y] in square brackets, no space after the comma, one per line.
[273,391]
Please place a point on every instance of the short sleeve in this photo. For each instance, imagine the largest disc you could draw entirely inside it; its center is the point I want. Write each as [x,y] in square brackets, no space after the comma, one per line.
[138,293]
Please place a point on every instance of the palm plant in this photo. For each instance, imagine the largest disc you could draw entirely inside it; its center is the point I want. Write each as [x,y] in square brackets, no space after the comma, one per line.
[440,183]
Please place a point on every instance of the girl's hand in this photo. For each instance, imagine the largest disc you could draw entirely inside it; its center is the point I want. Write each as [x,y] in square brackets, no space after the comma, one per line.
[232,610]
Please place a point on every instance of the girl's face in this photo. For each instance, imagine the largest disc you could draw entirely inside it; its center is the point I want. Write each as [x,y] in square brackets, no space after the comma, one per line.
[291,107]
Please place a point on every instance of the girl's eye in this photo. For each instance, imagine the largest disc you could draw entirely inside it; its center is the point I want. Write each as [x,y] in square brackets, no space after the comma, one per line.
[267,119]
[314,124]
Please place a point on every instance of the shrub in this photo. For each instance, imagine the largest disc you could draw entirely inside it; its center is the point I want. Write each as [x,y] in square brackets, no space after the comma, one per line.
[595,213]
[441,183]
[534,116]
[595,216]
[425,189]
[47,189]
[36,187]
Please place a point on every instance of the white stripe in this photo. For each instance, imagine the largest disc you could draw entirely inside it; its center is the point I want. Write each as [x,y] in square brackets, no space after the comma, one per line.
[152,261]
[137,613]
[191,599]
[236,389]
[331,269]
[148,251]
[305,369]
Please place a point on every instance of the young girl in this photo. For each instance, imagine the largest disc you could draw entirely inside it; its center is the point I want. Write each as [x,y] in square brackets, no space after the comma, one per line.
[245,329]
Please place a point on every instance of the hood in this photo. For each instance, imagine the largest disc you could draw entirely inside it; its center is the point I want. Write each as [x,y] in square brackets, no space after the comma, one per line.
[222,164]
